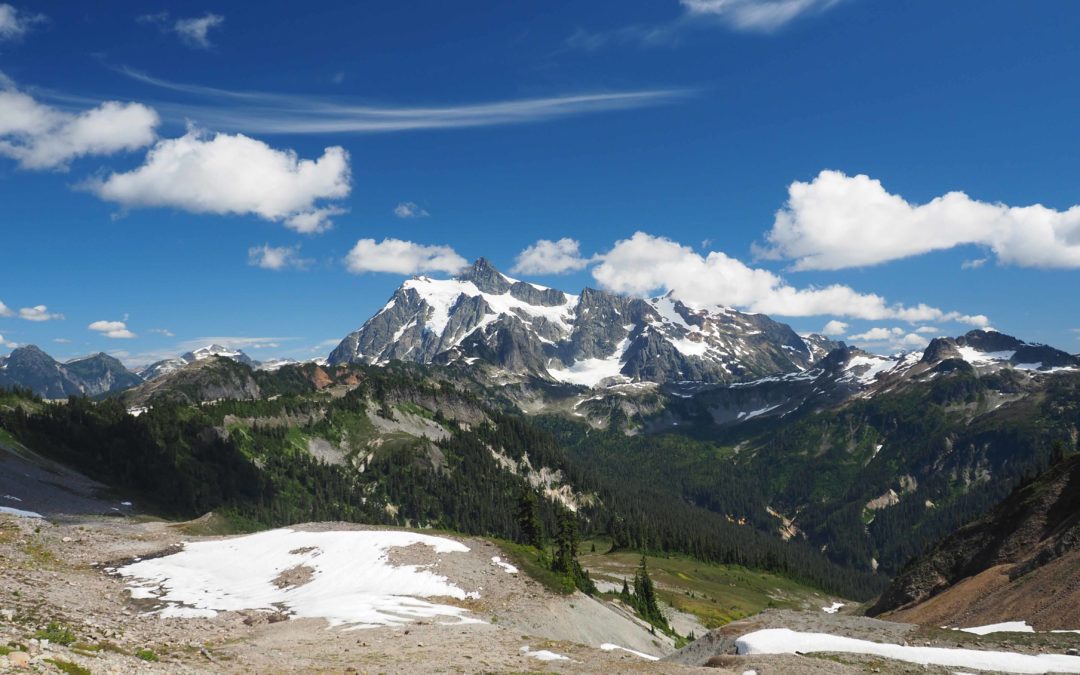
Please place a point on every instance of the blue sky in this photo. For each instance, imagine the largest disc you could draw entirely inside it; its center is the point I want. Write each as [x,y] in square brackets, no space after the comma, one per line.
[242,129]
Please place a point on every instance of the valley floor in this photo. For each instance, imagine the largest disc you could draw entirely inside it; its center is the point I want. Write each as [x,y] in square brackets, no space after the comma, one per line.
[58,573]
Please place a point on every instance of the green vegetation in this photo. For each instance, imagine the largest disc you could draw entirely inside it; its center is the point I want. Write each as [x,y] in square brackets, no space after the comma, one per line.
[715,594]
[146,654]
[68,667]
[259,473]
[56,633]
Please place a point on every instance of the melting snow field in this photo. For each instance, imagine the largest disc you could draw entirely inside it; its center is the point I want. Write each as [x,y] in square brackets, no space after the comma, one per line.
[607,647]
[784,641]
[343,577]
[507,567]
[833,608]
[1006,627]
[19,512]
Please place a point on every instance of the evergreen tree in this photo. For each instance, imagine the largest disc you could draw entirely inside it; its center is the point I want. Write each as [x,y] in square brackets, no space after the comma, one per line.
[532,530]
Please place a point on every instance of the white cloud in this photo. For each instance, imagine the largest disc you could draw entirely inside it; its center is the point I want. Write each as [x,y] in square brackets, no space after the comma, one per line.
[973,264]
[834,328]
[551,257]
[193,31]
[5,310]
[756,15]
[162,331]
[5,343]
[39,313]
[234,174]
[39,136]
[15,23]
[838,221]
[277,257]
[112,329]
[927,330]
[263,112]
[402,257]
[61,341]
[409,210]
[894,339]
[644,264]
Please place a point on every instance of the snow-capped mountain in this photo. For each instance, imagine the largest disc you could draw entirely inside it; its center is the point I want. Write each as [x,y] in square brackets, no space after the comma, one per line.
[167,366]
[589,339]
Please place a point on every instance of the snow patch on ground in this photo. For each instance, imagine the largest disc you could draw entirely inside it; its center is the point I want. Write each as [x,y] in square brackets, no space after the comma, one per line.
[350,579]
[1005,627]
[784,641]
[591,372]
[976,357]
[19,512]
[607,647]
[499,562]
[833,608]
[543,654]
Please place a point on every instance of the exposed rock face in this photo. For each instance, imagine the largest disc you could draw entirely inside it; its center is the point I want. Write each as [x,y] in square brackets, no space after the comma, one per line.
[208,379]
[1032,539]
[990,349]
[528,330]
[31,368]
[101,374]
[166,366]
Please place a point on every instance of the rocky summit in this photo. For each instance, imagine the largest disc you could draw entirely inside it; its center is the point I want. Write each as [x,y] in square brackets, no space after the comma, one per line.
[590,339]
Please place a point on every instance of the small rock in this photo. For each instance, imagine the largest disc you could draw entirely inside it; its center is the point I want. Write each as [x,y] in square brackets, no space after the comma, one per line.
[67,540]
[19,659]
[1072,652]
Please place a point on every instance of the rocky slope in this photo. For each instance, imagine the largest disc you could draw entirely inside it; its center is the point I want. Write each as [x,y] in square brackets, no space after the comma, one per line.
[1019,562]
[590,339]
[207,379]
[31,368]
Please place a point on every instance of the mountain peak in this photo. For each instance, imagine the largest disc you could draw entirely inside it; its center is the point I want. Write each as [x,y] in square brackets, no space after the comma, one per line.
[485,277]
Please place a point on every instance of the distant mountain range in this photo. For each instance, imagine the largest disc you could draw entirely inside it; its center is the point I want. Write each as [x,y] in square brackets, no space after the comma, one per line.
[98,374]
[592,339]
[510,331]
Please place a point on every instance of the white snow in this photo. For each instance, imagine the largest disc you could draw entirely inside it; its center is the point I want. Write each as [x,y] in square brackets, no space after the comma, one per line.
[19,512]
[607,647]
[352,582]
[975,357]
[543,654]
[872,365]
[1005,627]
[441,294]
[12,498]
[785,641]
[761,411]
[590,372]
[499,562]
[833,608]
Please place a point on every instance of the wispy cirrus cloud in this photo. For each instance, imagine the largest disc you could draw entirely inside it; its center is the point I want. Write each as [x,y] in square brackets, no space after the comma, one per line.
[273,113]
[751,16]
[15,23]
[193,31]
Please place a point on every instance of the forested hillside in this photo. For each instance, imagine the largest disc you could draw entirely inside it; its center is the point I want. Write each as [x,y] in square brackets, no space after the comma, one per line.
[388,445]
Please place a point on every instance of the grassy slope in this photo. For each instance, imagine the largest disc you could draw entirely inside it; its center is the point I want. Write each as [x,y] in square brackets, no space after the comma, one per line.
[715,594]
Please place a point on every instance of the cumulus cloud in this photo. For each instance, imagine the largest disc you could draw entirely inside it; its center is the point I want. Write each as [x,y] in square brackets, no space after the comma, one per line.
[193,31]
[402,257]
[5,310]
[15,23]
[112,329]
[756,15]
[834,328]
[551,257]
[644,264]
[410,210]
[39,136]
[5,343]
[277,258]
[234,174]
[895,338]
[39,313]
[838,221]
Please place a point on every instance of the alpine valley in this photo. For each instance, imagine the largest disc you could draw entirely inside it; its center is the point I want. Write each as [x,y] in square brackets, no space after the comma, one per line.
[716,442]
